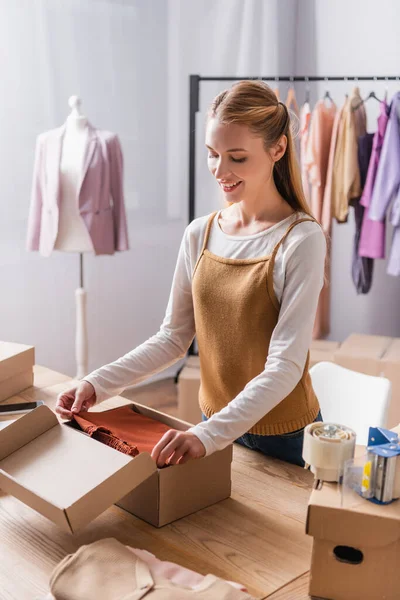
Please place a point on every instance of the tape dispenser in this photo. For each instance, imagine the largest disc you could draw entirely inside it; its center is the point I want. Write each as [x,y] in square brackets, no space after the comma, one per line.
[376,474]
[326,448]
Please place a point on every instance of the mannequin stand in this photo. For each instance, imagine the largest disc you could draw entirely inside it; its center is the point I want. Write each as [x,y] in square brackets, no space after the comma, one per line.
[81,336]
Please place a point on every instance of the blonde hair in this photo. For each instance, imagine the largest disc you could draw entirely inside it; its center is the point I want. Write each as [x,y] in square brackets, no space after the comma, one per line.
[254,104]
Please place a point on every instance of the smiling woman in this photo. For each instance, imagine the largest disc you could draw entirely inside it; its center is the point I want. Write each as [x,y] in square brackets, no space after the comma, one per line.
[246,284]
[252,107]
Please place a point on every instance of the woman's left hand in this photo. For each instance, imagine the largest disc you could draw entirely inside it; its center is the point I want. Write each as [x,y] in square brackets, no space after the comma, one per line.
[177,447]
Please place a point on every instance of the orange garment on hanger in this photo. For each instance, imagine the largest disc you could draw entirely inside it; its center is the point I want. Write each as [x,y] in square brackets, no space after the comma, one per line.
[123,429]
[317,164]
[291,101]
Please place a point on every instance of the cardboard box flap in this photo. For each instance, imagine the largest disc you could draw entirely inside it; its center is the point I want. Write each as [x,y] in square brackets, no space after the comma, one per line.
[324,345]
[371,346]
[110,491]
[359,523]
[48,509]
[55,469]
[15,358]
[392,354]
[25,429]
[162,417]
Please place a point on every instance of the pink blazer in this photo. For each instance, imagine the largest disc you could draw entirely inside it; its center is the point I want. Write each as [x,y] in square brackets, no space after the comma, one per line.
[101,201]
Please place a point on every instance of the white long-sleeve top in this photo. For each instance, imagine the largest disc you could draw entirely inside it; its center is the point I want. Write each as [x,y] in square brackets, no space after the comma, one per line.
[298,278]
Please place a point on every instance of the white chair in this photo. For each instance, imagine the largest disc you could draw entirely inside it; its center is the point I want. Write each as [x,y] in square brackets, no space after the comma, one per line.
[350,398]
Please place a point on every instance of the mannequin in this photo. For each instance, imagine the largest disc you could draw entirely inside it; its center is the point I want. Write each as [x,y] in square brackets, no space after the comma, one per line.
[73,235]
[77,201]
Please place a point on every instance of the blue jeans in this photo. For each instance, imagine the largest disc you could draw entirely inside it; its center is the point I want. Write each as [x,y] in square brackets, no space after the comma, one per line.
[288,446]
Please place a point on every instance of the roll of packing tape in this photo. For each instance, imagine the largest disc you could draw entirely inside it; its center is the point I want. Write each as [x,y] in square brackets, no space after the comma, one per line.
[326,448]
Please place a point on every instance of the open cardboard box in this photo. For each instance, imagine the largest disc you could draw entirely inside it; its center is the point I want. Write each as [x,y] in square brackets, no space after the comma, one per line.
[71,478]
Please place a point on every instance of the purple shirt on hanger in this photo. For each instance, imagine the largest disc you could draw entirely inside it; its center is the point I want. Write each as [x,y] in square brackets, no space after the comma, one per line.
[387,183]
[373,233]
[361,268]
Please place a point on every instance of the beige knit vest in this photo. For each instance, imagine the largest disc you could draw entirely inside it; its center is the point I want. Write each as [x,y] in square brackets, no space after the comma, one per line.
[236,311]
[108,570]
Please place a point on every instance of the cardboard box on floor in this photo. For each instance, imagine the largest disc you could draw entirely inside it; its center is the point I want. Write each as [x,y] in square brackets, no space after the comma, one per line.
[188,391]
[322,350]
[16,368]
[363,353]
[71,479]
[390,368]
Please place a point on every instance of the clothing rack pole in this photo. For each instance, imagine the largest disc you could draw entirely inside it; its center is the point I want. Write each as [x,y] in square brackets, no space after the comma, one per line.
[194,107]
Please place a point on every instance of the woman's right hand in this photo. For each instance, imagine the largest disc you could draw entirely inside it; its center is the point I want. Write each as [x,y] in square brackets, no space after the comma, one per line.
[77,399]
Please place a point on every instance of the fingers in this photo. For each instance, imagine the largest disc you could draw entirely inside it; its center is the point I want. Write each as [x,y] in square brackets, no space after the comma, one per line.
[175,447]
[64,414]
[64,403]
[80,398]
[161,446]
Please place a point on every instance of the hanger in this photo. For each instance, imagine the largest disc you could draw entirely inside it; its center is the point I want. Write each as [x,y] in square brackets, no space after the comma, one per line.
[307,99]
[370,95]
[327,95]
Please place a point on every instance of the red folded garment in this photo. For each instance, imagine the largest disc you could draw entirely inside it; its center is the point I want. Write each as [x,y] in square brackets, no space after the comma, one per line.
[123,429]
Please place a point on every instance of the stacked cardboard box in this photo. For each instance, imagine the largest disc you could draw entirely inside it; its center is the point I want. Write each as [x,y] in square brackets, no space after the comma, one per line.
[16,368]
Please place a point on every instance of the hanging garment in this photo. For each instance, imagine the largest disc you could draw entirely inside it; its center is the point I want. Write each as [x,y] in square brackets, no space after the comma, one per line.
[231,357]
[305,119]
[123,429]
[346,174]
[100,198]
[317,155]
[107,570]
[373,233]
[327,212]
[362,268]
[387,184]
[316,163]
[291,104]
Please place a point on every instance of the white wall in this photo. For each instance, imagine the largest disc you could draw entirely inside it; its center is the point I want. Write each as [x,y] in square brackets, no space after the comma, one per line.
[113,54]
[359,37]
[130,61]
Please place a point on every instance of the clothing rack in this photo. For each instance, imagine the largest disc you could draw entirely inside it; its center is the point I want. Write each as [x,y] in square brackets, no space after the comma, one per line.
[194,102]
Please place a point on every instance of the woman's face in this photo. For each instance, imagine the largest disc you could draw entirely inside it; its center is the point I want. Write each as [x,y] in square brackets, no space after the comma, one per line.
[238,160]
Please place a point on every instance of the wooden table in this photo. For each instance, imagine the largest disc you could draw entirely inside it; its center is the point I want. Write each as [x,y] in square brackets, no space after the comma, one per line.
[256,537]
